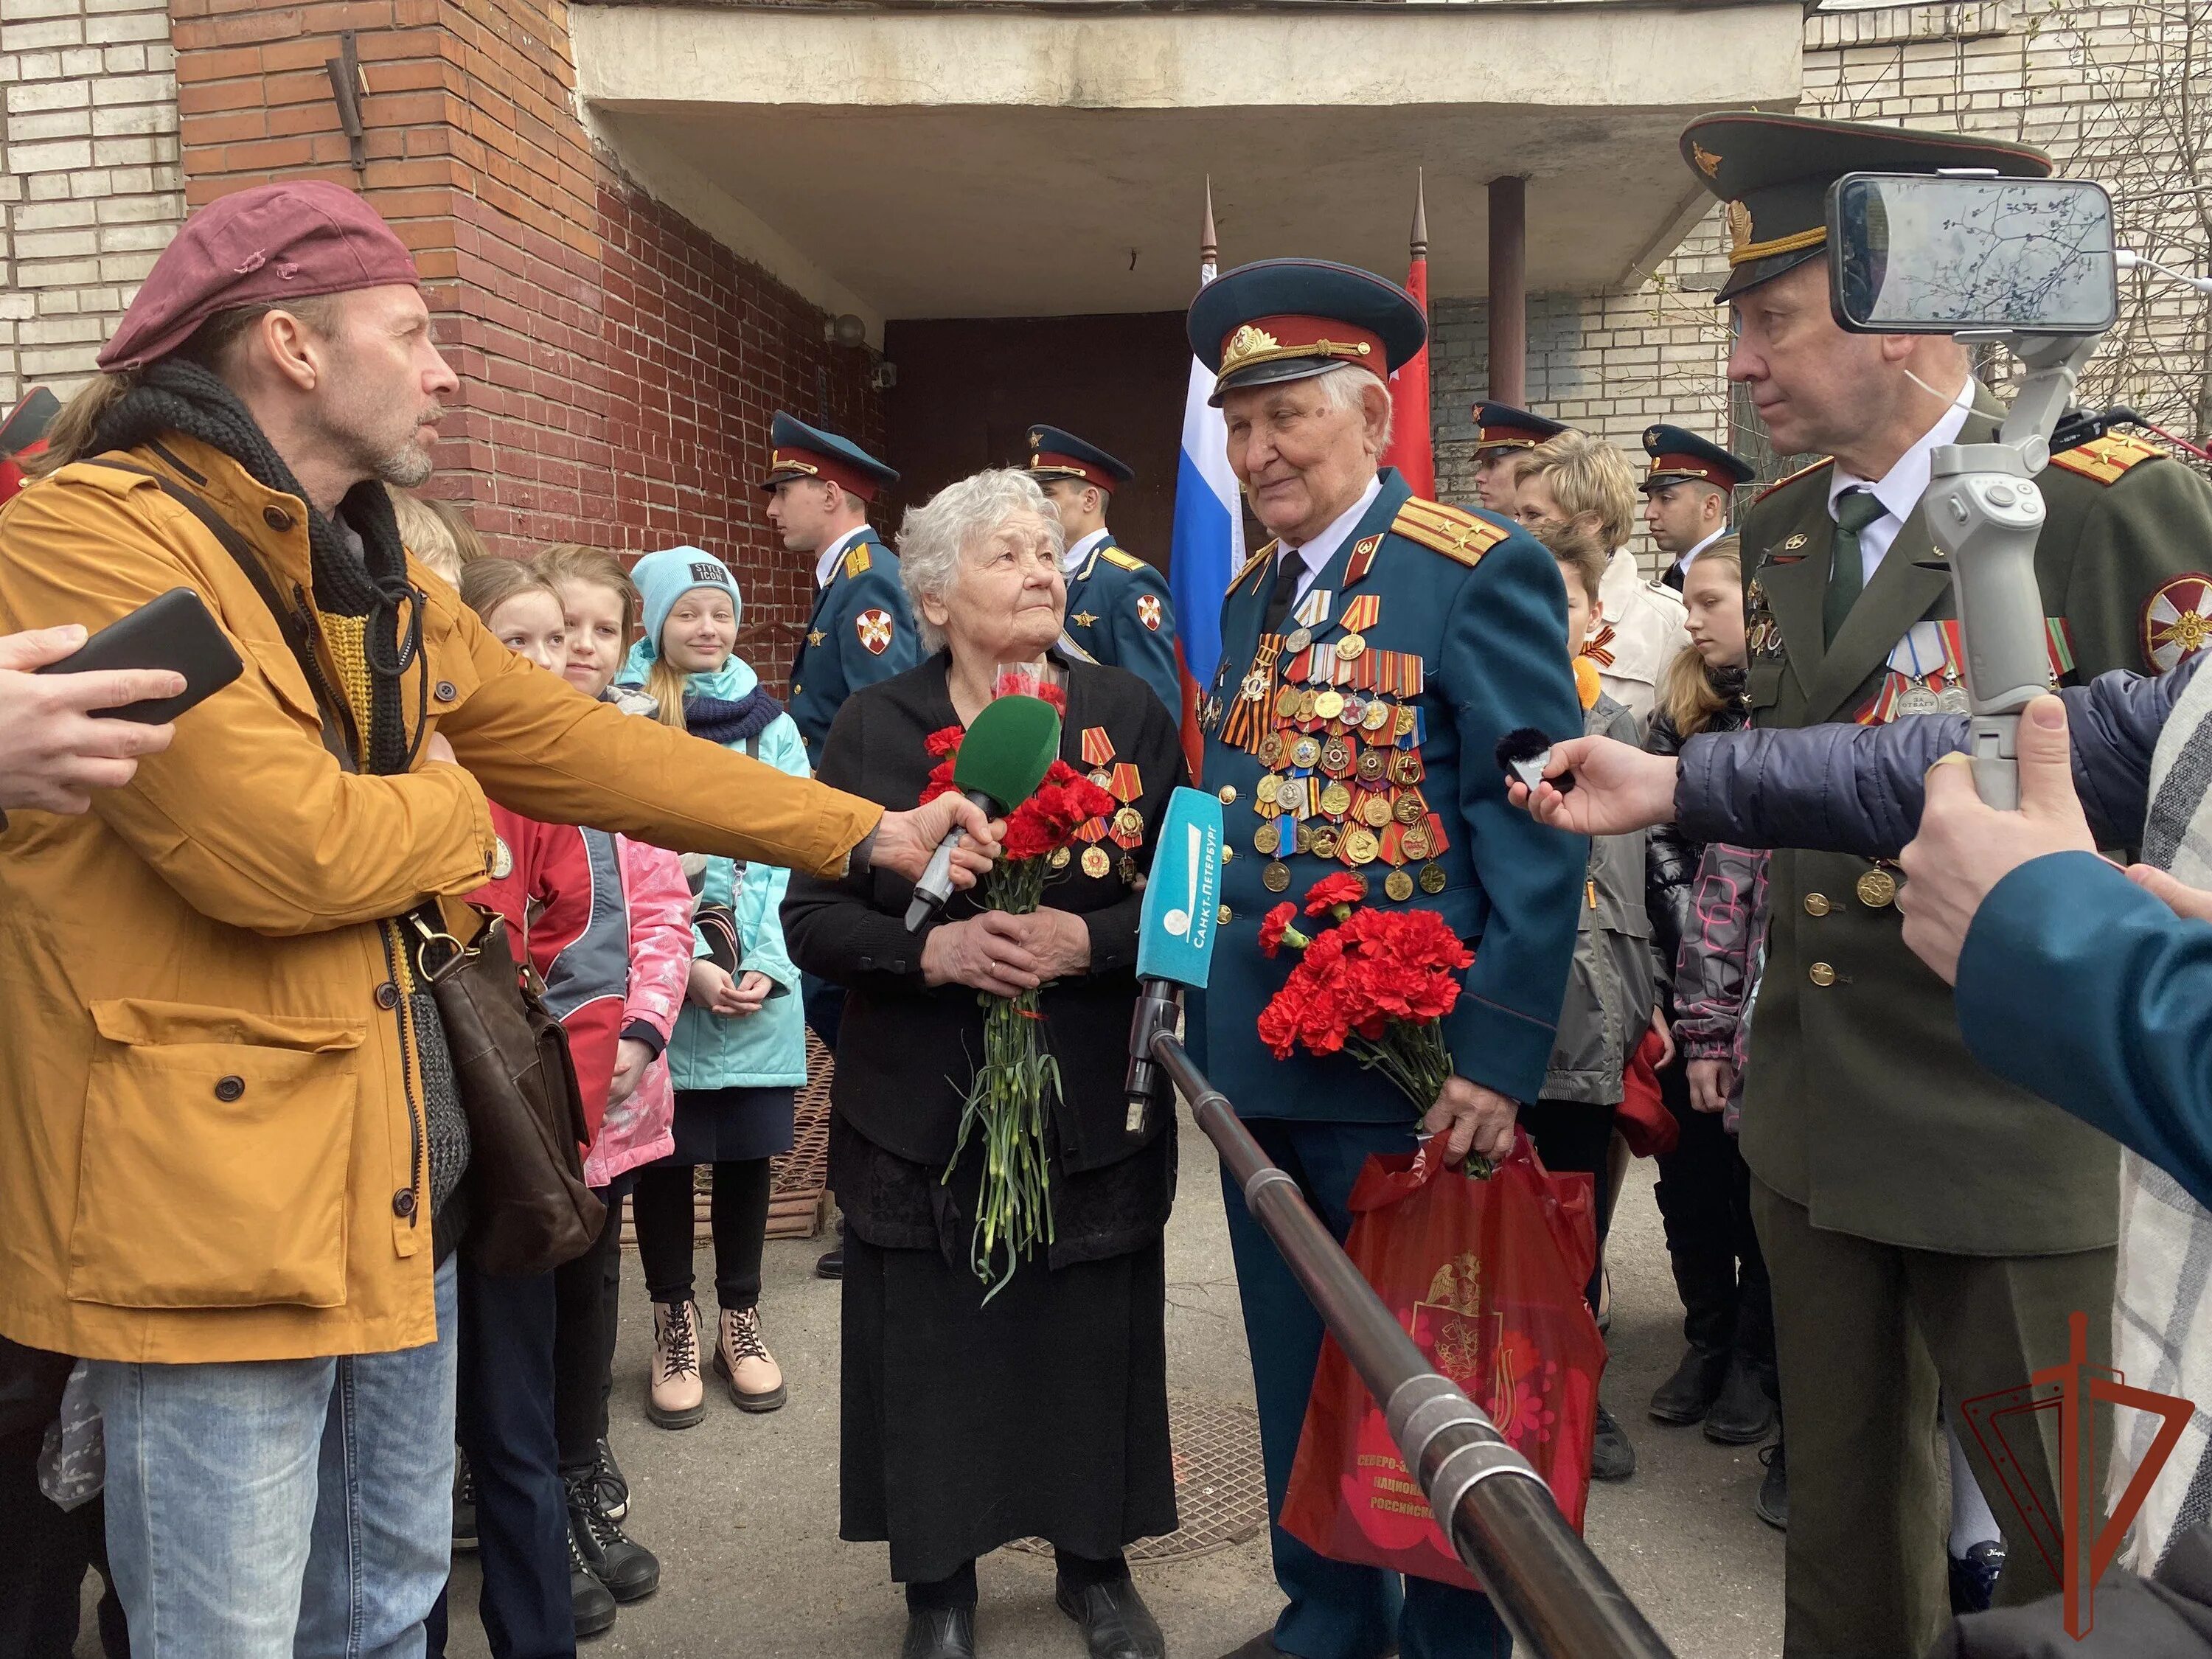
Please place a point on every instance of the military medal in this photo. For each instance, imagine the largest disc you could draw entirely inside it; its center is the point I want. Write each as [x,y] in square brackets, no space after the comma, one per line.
[1302,840]
[1276,876]
[1271,750]
[1061,856]
[1336,757]
[1370,766]
[1128,866]
[1305,754]
[1953,700]
[1244,730]
[1266,838]
[1375,811]
[1335,800]
[1096,864]
[1268,790]
[1321,842]
[1378,715]
[1128,829]
[1916,698]
[1329,704]
[1410,809]
[1877,889]
[1360,846]
[1399,885]
[1406,768]
[1403,721]
[1300,638]
[1416,842]
[1286,703]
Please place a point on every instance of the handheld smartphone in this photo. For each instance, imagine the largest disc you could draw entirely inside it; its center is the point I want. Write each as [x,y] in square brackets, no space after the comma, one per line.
[172,630]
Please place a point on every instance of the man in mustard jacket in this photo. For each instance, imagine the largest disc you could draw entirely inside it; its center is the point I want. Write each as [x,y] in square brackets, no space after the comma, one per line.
[228,1127]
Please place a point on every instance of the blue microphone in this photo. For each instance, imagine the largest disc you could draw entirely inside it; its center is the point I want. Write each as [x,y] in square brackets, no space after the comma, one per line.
[1174,933]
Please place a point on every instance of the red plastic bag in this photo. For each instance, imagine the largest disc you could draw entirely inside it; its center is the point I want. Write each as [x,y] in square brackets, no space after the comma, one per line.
[1643,1121]
[1487,1277]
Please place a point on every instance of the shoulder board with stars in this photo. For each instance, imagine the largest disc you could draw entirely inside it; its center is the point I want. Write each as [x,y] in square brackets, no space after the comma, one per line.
[1253,563]
[1447,530]
[1120,559]
[2106,458]
[857,559]
[1801,472]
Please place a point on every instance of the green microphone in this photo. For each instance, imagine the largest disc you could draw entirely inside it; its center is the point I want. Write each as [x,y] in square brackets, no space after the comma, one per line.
[1003,756]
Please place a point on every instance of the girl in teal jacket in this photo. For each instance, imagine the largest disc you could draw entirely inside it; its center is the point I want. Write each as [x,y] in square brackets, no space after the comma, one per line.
[739,1054]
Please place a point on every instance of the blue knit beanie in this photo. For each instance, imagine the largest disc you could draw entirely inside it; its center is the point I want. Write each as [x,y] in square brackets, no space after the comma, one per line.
[665,577]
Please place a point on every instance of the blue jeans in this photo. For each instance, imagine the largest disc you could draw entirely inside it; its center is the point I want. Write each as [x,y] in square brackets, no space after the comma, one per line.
[268,1508]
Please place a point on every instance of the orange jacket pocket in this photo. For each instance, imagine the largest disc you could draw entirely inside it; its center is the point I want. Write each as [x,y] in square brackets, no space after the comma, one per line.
[213,1168]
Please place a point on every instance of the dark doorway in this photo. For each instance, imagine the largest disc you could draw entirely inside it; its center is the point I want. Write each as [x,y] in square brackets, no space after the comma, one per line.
[970,389]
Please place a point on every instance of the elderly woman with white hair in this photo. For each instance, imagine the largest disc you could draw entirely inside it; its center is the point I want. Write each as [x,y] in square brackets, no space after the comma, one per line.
[1044,1414]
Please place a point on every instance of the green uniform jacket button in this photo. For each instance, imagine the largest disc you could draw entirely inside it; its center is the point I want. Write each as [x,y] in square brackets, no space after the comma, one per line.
[1228,792]
[1821,973]
[1816,905]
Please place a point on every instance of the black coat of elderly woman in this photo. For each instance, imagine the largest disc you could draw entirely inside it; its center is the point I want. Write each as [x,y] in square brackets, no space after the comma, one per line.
[966,1426]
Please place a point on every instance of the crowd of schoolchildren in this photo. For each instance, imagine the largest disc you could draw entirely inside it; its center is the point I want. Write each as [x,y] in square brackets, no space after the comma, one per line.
[671,977]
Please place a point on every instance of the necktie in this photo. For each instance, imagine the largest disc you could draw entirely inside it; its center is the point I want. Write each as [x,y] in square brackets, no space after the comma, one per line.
[1287,573]
[1855,510]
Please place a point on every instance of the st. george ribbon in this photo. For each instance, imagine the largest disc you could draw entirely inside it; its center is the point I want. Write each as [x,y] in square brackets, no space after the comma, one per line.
[1005,754]
[1174,933]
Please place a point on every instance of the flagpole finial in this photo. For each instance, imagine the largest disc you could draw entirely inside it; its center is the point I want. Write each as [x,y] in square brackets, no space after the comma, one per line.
[1208,250]
[1420,239]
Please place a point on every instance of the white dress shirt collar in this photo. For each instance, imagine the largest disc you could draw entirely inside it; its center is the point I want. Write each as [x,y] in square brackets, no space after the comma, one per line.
[1690,558]
[1900,490]
[1072,561]
[826,566]
[1323,548]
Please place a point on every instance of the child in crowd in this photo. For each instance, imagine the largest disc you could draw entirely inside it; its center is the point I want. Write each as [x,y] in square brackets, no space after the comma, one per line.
[606,924]
[739,1052]
[1709,907]
[1611,987]
[427,533]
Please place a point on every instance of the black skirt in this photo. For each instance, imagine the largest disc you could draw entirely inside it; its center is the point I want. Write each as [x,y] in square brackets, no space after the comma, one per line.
[1043,1415]
[731,1126]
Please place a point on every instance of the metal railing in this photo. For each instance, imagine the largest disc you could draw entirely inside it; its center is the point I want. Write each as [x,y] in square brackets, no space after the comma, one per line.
[1556,1596]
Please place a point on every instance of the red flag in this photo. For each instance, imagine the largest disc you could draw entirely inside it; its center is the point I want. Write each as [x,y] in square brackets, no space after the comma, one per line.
[1411,449]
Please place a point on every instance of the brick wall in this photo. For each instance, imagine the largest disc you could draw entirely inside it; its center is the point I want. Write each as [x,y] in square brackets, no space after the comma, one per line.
[89,184]
[2099,87]
[618,366]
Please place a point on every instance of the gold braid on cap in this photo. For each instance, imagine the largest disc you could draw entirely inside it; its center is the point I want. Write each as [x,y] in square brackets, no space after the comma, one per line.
[1250,345]
[1742,249]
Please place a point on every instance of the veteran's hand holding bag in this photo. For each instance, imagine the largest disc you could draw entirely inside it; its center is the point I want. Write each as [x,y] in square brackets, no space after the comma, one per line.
[1487,1277]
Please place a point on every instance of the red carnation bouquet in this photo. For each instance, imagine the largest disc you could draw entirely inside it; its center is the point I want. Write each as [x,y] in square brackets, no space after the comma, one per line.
[1018,1079]
[1375,986]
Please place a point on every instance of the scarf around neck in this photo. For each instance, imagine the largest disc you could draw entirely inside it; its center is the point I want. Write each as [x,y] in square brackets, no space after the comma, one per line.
[360,569]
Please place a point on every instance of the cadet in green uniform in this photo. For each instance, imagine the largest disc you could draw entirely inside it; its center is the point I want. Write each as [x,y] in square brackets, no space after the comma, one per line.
[1371,658]
[1913,1207]
[1118,609]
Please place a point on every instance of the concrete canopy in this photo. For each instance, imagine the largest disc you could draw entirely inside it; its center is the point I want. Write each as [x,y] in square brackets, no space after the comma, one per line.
[1050,162]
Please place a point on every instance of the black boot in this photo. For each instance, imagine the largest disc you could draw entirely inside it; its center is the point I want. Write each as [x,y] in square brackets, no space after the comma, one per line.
[1772,1505]
[628,1570]
[940,1633]
[614,1486]
[1611,1458]
[1744,1414]
[1116,1623]
[594,1604]
[1689,1394]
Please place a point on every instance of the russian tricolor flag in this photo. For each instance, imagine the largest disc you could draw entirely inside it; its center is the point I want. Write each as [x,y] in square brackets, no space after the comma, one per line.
[1208,547]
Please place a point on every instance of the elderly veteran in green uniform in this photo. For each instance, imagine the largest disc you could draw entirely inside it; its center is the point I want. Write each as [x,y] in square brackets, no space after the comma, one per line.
[1118,609]
[1924,1221]
[819,486]
[1687,494]
[1503,435]
[1372,656]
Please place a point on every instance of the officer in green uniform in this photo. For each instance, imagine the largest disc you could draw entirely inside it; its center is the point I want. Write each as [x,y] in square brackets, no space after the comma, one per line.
[1503,435]
[1923,1222]
[1118,609]
[1372,657]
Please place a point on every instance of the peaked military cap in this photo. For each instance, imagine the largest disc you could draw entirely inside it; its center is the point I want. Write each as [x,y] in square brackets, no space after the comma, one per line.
[1678,455]
[1774,172]
[797,450]
[1502,426]
[1286,320]
[1057,454]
